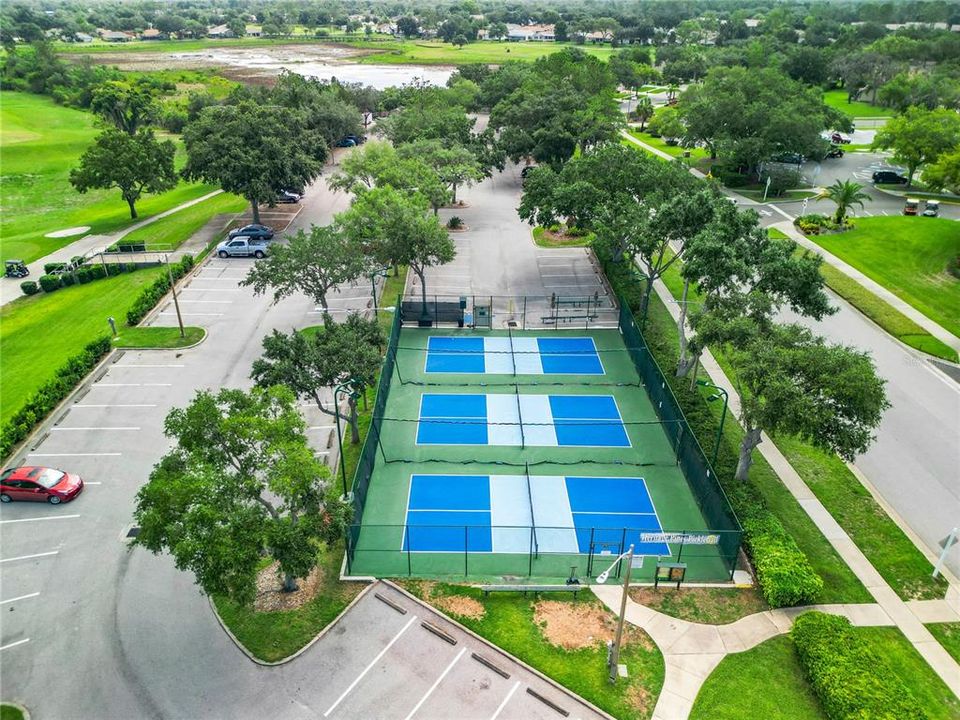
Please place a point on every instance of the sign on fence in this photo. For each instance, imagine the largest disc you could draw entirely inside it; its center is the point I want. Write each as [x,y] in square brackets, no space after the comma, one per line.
[680,538]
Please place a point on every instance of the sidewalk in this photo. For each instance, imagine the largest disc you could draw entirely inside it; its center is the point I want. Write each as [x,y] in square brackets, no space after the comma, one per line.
[684,678]
[876,288]
[10,287]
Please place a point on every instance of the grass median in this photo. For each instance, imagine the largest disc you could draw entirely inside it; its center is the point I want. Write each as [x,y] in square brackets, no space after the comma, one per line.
[157,338]
[837,99]
[948,635]
[169,232]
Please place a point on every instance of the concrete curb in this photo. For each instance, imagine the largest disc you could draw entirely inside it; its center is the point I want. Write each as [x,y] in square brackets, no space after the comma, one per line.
[182,347]
[290,658]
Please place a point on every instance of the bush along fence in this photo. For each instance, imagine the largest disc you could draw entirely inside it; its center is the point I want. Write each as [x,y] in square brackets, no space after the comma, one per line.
[60,275]
[44,400]
[850,680]
[784,572]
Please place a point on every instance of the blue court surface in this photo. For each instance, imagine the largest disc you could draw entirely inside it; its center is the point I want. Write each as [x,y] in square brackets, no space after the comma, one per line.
[493,513]
[513,355]
[527,420]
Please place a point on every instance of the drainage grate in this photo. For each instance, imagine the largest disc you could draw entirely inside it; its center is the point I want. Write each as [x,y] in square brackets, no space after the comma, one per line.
[133,532]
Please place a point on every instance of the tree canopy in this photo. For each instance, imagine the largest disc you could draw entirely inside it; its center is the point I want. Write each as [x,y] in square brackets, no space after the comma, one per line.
[919,137]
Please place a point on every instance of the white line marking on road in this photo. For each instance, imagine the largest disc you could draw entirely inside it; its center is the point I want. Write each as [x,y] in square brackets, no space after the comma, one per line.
[74,454]
[169,365]
[373,662]
[87,482]
[114,406]
[29,557]
[505,701]
[320,427]
[435,683]
[14,644]
[68,429]
[22,597]
[220,277]
[207,302]
[788,217]
[193,315]
[131,385]
[45,517]
[187,289]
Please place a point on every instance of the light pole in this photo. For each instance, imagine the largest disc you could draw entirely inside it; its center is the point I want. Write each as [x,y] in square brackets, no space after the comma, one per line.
[723,415]
[173,290]
[341,387]
[614,658]
[382,272]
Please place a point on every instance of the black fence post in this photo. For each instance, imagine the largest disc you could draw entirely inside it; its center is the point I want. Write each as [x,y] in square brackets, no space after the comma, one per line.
[466,548]
[406,532]
[530,555]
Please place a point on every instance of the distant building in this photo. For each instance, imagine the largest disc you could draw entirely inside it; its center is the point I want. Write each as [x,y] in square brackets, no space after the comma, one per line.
[219,31]
[83,37]
[530,33]
[254,30]
[152,34]
[115,36]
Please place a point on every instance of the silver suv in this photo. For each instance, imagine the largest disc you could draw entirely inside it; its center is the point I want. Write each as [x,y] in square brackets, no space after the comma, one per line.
[243,247]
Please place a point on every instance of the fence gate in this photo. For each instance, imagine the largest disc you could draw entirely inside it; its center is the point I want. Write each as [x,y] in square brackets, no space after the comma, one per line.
[603,551]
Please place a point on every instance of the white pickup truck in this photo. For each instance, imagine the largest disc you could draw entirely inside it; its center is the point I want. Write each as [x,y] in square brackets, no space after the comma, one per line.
[243,247]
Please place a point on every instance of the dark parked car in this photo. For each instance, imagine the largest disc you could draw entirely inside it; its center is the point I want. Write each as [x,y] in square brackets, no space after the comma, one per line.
[788,158]
[287,197]
[39,484]
[889,177]
[261,232]
[840,139]
[346,142]
[835,151]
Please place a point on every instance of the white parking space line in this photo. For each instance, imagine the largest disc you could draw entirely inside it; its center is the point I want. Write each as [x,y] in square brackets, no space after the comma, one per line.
[505,701]
[75,454]
[207,302]
[103,384]
[22,597]
[320,427]
[74,429]
[37,519]
[435,683]
[128,365]
[30,557]
[14,644]
[87,482]
[144,405]
[373,662]
[196,289]
[219,277]
[193,315]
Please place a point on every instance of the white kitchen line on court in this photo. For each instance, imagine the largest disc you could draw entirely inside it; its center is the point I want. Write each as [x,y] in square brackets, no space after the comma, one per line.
[22,597]
[435,683]
[505,701]
[129,365]
[145,405]
[14,644]
[75,429]
[103,384]
[37,519]
[75,454]
[29,557]
[373,662]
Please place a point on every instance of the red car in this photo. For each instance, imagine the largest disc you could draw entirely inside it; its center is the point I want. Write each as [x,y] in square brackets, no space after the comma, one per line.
[39,484]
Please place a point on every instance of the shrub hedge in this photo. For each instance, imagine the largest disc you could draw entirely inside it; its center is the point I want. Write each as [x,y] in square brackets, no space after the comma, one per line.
[29,287]
[784,572]
[82,275]
[153,292]
[49,283]
[851,681]
[50,394]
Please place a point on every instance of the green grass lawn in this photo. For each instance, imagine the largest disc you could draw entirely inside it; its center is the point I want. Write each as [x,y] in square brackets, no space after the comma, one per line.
[509,622]
[907,664]
[546,239]
[157,337]
[838,99]
[10,712]
[431,52]
[763,683]
[39,333]
[909,257]
[169,232]
[40,142]
[661,144]
[134,46]
[948,635]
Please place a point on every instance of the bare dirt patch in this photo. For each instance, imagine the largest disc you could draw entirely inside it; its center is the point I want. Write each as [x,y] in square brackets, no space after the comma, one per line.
[460,605]
[573,625]
[270,595]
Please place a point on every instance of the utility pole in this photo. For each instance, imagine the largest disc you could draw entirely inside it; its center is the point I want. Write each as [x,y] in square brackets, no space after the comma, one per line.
[173,290]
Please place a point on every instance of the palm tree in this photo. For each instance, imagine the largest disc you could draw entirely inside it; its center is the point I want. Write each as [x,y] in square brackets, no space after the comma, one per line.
[845,194]
[643,111]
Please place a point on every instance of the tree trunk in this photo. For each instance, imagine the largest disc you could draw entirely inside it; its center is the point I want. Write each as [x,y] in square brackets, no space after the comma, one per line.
[750,440]
[423,290]
[645,304]
[133,208]
[255,206]
[354,425]
[683,362]
[289,583]
[327,318]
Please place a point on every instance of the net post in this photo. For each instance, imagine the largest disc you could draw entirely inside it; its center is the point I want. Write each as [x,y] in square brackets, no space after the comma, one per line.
[466,548]
[406,532]
[530,555]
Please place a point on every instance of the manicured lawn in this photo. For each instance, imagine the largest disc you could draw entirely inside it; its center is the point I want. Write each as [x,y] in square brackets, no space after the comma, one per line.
[39,333]
[713,606]
[40,142]
[547,239]
[907,664]
[838,99]
[948,635]
[169,232]
[426,52]
[763,683]
[157,337]
[508,621]
[661,144]
[909,257]
[272,636]
[9,712]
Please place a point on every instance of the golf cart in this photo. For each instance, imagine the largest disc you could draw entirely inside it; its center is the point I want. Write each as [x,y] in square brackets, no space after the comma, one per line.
[838,139]
[16,269]
[932,208]
[912,207]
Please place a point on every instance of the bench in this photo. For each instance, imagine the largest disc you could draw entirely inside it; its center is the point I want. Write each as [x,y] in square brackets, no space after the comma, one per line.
[547,319]
[535,589]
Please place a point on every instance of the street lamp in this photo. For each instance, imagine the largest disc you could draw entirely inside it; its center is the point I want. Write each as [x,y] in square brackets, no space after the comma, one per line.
[341,387]
[382,272]
[614,658]
[723,416]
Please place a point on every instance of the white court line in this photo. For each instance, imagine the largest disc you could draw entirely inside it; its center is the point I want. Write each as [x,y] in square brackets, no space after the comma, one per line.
[131,385]
[373,662]
[435,683]
[46,517]
[14,644]
[68,429]
[127,365]
[192,315]
[114,406]
[505,701]
[22,597]
[72,454]
[29,557]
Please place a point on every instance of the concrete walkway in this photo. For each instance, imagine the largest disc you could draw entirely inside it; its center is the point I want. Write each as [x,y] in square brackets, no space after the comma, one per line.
[908,617]
[938,331]
[10,287]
